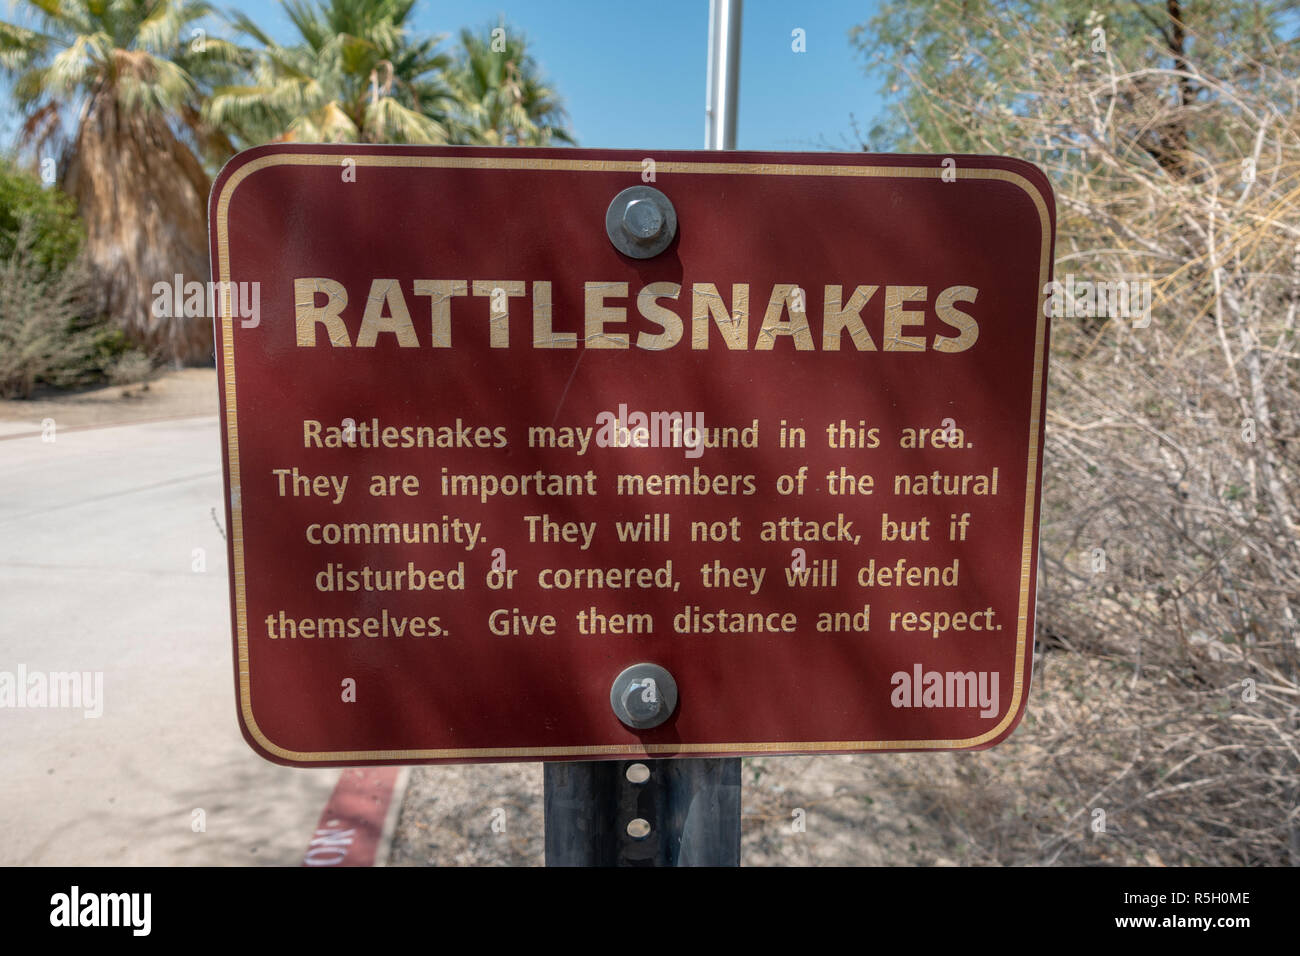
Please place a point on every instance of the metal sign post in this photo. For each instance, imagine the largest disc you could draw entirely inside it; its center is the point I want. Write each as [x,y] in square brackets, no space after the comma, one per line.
[652,813]
[683,812]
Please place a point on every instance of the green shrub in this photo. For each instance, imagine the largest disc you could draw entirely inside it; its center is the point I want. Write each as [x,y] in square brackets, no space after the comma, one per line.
[52,215]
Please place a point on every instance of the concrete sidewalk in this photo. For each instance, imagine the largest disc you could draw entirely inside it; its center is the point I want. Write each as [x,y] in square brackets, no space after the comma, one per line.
[98,538]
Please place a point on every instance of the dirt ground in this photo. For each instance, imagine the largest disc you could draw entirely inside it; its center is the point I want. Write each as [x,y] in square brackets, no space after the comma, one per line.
[175,394]
[858,811]
[1001,806]
[862,810]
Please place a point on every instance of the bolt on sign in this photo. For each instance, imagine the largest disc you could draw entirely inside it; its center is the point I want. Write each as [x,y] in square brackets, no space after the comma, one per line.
[539,454]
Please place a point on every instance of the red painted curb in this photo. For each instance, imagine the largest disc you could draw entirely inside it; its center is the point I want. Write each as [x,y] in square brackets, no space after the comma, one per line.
[352,822]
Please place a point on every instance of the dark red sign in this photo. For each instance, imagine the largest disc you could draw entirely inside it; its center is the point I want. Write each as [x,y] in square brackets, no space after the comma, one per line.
[479,461]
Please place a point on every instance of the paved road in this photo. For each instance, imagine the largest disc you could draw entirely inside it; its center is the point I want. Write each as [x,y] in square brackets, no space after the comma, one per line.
[98,532]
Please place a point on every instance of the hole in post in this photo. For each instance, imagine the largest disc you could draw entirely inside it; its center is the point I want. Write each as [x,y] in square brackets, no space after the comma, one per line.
[638,829]
[638,773]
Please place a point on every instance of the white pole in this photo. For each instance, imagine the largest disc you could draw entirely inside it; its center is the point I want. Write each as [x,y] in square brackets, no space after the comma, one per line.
[722,94]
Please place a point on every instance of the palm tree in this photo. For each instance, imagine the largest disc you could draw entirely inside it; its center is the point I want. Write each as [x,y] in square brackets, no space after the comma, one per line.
[356,74]
[504,100]
[133,74]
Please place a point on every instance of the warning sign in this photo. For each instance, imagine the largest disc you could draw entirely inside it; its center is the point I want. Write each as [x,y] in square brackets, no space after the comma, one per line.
[537,454]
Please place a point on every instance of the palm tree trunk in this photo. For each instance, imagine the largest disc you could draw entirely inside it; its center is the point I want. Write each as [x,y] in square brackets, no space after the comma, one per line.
[142,195]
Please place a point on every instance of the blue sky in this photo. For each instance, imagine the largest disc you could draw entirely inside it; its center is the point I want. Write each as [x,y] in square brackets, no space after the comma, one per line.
[632,74]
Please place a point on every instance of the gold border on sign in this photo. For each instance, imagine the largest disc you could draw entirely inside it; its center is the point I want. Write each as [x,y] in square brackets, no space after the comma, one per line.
[222,210]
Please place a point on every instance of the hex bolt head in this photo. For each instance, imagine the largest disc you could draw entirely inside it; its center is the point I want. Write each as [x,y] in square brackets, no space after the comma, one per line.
[641,699]
[641,222]
[643,696]
[642,219]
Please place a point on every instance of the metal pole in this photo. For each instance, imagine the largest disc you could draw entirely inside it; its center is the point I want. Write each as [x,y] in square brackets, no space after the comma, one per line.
[683,812]
[710,87]
[687,811]
[723,87]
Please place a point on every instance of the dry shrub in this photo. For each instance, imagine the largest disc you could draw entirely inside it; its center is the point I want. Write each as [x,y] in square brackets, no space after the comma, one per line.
[132,367]
[1170,551]
[44,339]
